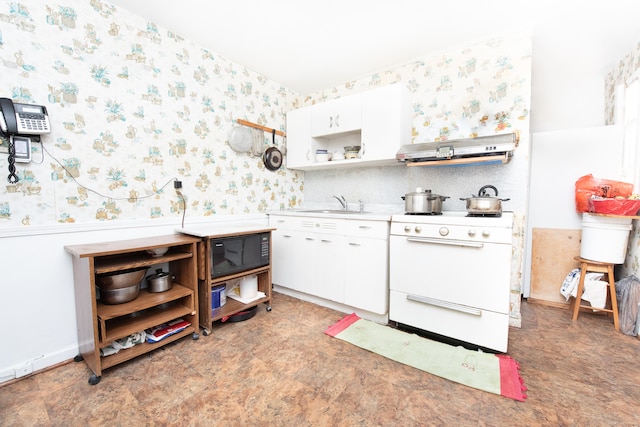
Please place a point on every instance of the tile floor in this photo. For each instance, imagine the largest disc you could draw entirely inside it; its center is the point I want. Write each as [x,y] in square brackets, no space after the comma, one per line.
[280,369]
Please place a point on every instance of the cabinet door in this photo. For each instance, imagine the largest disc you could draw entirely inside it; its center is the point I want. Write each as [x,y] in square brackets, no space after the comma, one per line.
[283,258]
[337,116]
[386,122]
[330,267]
[299,142]
[367,274]
[306,264]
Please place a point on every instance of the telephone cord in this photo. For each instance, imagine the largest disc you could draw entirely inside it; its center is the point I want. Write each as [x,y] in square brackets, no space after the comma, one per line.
[12,178]
[70,175]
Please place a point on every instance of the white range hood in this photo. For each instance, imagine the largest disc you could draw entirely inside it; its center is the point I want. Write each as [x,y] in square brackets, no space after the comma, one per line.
[492,145]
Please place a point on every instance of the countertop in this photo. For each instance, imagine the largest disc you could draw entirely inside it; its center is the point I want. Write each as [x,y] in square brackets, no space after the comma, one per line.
[366,216]
[208,230]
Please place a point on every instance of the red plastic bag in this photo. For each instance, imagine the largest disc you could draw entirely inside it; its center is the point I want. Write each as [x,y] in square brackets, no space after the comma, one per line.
[588,186]
[614,206]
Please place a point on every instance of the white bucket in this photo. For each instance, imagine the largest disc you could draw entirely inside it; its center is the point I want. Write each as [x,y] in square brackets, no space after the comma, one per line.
[604,238]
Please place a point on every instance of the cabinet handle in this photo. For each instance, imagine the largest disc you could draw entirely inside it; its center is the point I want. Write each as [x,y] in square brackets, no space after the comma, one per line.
[354,244]
[286,235]
[330,122]
[445,242]
[445,304]
[337,118]
[325,241]
[365,227]
[309,238]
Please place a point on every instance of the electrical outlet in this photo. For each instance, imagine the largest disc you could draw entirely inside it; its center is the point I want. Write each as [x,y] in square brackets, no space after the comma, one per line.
[24,370]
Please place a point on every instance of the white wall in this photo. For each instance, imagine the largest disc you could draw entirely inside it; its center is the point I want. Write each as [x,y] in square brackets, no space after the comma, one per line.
[570,62]
[558,159]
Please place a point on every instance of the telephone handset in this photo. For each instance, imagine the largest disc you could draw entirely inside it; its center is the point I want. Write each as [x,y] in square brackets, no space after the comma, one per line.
[19,122]
[23,119]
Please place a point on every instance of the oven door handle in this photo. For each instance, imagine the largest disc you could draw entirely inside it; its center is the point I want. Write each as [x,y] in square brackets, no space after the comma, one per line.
[445,304]
[445,242]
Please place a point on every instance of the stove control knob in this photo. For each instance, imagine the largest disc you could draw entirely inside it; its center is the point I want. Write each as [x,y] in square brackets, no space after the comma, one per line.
[486,233]
[443,231]
[407,228]
[418,229]
[471,232]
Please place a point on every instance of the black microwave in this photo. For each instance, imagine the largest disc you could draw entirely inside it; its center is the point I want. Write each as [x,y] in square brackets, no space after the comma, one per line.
[235,254]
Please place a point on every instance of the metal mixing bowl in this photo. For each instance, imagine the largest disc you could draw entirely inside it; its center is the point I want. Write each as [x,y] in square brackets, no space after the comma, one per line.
[120,279]
[119,296]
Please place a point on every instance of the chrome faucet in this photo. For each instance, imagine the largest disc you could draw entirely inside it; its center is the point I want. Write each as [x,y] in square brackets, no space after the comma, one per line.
[342,201]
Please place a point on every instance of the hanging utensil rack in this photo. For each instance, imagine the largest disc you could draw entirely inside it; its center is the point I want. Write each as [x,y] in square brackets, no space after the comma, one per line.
[263,128]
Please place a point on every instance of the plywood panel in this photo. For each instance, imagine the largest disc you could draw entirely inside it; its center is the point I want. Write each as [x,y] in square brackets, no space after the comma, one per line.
[552,253]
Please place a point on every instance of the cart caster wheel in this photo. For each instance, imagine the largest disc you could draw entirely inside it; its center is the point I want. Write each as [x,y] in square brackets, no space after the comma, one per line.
[205,332]
[78,358]
[268,308]
[195,336]
[94,379]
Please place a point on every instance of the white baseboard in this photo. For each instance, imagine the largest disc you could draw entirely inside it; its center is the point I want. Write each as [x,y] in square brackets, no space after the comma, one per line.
[40,363]
[374,317]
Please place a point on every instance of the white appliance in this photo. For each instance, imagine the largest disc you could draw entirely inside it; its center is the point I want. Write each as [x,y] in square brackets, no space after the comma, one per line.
[450,274]
[491,145]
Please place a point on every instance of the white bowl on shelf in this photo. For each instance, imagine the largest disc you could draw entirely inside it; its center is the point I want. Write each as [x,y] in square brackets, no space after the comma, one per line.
[157,251]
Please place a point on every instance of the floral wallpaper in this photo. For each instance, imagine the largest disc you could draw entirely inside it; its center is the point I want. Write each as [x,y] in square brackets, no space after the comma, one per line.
[625,68]
[483,88]
[132,107]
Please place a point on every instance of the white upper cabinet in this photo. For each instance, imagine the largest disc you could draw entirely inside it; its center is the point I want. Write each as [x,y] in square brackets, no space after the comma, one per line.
[386,122]
[299,141]
[379,121]
[337,116]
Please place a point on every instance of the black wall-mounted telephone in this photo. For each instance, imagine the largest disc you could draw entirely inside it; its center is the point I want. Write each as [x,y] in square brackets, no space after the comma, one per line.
[19,122]
[23,119]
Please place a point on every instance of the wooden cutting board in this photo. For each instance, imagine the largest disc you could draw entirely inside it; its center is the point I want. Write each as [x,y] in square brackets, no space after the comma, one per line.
[552,252]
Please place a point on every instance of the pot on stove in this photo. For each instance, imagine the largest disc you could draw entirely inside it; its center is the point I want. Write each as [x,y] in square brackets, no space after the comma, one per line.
[484,203]
[423,202]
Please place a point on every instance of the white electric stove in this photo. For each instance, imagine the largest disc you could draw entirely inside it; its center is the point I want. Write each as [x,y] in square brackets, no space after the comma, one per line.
[450,274]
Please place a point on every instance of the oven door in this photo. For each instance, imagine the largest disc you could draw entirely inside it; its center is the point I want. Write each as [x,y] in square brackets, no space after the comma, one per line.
[453,288]
[472,274]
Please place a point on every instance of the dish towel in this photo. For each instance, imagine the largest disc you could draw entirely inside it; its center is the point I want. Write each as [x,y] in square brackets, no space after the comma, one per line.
[595,290]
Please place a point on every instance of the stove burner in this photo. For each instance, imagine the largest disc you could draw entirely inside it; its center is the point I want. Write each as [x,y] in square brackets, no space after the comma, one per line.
[423,213]
[485,215]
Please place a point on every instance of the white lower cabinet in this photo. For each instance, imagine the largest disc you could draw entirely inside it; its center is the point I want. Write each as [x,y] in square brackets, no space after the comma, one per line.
[327,278]
[367,274]
[346,261]
[286,241]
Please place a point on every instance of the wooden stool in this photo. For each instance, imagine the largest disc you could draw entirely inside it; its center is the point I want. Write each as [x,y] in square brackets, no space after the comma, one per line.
[596,267]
